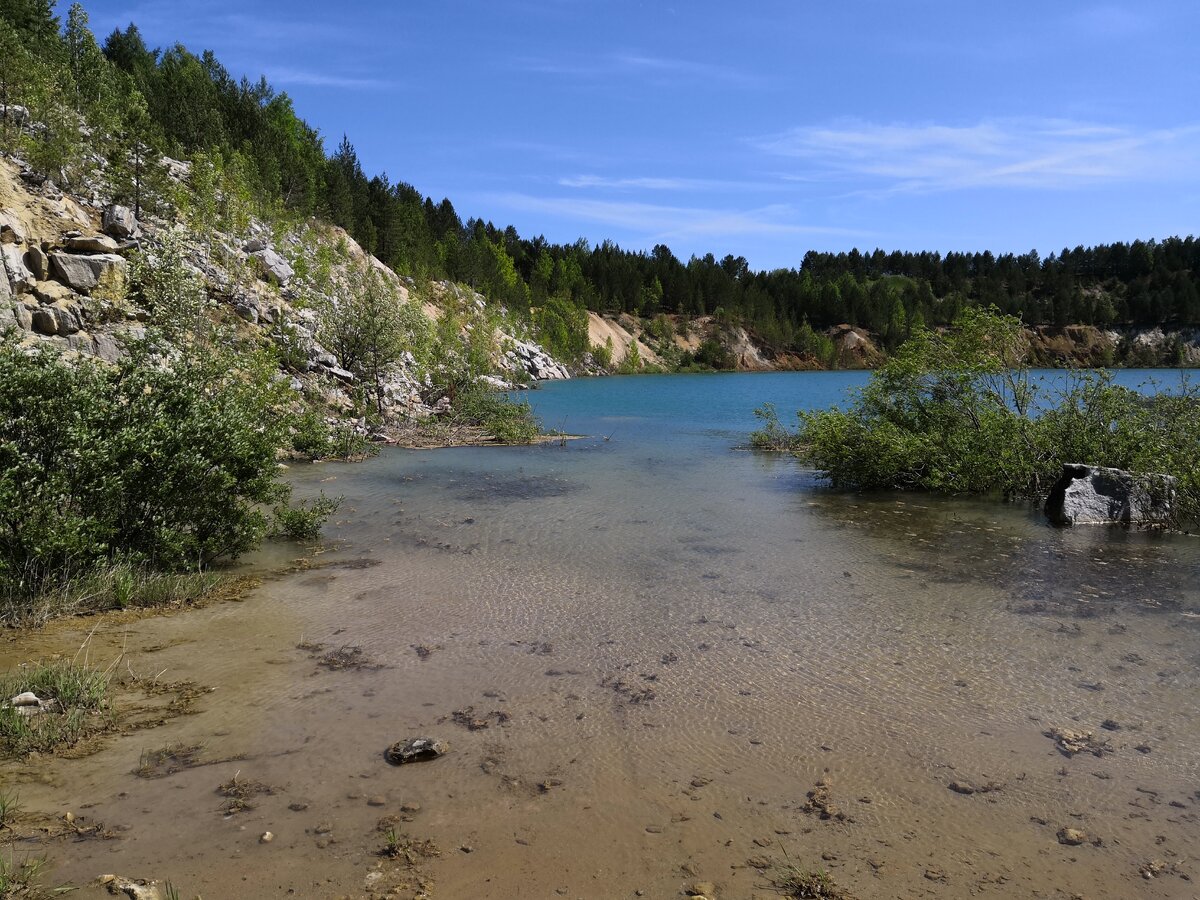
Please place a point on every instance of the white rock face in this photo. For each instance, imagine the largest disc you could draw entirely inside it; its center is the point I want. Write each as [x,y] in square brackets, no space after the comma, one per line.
[537,362]
[1094,495]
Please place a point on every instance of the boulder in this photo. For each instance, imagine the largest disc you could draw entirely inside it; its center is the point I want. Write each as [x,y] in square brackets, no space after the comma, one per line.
[38,263]
[273,267]
[47,292]
[247,307]
[91,243]
[45,321]
[83,273]
[20,279]
[8,318]
[415,750]
[107,348]
[61,319]
[18,115]
[70,317]
[23,313]
[5,288]
[118,222]
[12,231]
[1094,495]
[82,342]
[255,245]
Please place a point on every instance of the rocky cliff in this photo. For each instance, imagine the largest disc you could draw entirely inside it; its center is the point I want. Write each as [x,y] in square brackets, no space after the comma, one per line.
[65,268]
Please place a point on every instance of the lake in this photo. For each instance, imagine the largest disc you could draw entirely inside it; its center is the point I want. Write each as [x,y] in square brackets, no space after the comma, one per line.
[661,659]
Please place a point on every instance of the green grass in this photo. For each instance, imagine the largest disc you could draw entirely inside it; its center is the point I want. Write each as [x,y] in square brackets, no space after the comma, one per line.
[10,808]
[74,698]
[22,878]
[118,585]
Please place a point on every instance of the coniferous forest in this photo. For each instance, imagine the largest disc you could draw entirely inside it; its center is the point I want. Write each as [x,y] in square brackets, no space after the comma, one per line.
[174,102]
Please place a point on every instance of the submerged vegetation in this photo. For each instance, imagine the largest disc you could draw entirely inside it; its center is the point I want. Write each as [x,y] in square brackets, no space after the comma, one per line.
[957,411]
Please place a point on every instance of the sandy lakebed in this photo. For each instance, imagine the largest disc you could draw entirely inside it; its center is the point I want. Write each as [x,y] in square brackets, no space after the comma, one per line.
[658,661]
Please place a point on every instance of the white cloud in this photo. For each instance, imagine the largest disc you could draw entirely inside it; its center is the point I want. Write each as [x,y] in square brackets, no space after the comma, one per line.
[657,69]
[324,79]
[660,223]
[1036,153]
[650,183]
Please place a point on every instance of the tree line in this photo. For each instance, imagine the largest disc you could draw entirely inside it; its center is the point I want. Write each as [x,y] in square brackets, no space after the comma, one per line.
[140,102]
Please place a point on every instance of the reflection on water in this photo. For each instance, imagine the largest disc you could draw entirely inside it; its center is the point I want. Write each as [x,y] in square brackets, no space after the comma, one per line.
[683,638]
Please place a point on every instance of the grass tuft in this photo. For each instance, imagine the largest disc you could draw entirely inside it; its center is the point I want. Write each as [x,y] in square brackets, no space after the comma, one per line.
[118,585]
[73,699]
[805,884]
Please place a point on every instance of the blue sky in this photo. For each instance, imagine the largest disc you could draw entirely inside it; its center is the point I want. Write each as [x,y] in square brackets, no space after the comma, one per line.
[762,129]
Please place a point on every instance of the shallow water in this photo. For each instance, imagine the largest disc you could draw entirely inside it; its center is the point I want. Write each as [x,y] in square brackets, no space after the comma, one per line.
[685,638]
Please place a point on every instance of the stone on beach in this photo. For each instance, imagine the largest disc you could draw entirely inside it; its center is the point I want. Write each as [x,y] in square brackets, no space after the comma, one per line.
[415,750]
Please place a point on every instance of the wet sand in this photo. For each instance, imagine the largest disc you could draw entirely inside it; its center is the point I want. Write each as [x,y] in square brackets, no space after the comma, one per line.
[679,669]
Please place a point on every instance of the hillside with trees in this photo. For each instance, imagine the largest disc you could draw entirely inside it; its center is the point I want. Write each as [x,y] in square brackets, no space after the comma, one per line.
[140,102]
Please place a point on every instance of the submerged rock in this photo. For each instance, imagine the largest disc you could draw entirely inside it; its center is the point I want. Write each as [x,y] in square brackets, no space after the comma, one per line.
[1094,495]
[415,750]
[1071,837]
[134,889]
[1070,742]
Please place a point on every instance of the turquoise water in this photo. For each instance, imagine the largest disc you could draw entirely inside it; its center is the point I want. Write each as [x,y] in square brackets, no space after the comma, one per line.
[709,410]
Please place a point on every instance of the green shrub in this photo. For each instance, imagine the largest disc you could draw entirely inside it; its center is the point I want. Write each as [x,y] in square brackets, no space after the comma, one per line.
[958,412]
[506,421]
[302,521]
[773,435]
[162,460]
[315,439]
[603,353]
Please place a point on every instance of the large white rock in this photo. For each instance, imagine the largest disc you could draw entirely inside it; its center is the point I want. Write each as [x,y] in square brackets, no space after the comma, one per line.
[12,230]
[119,222]
[537,362]
[1095,495]
[273,267]
[91,243]
[20,279]
[83,273]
